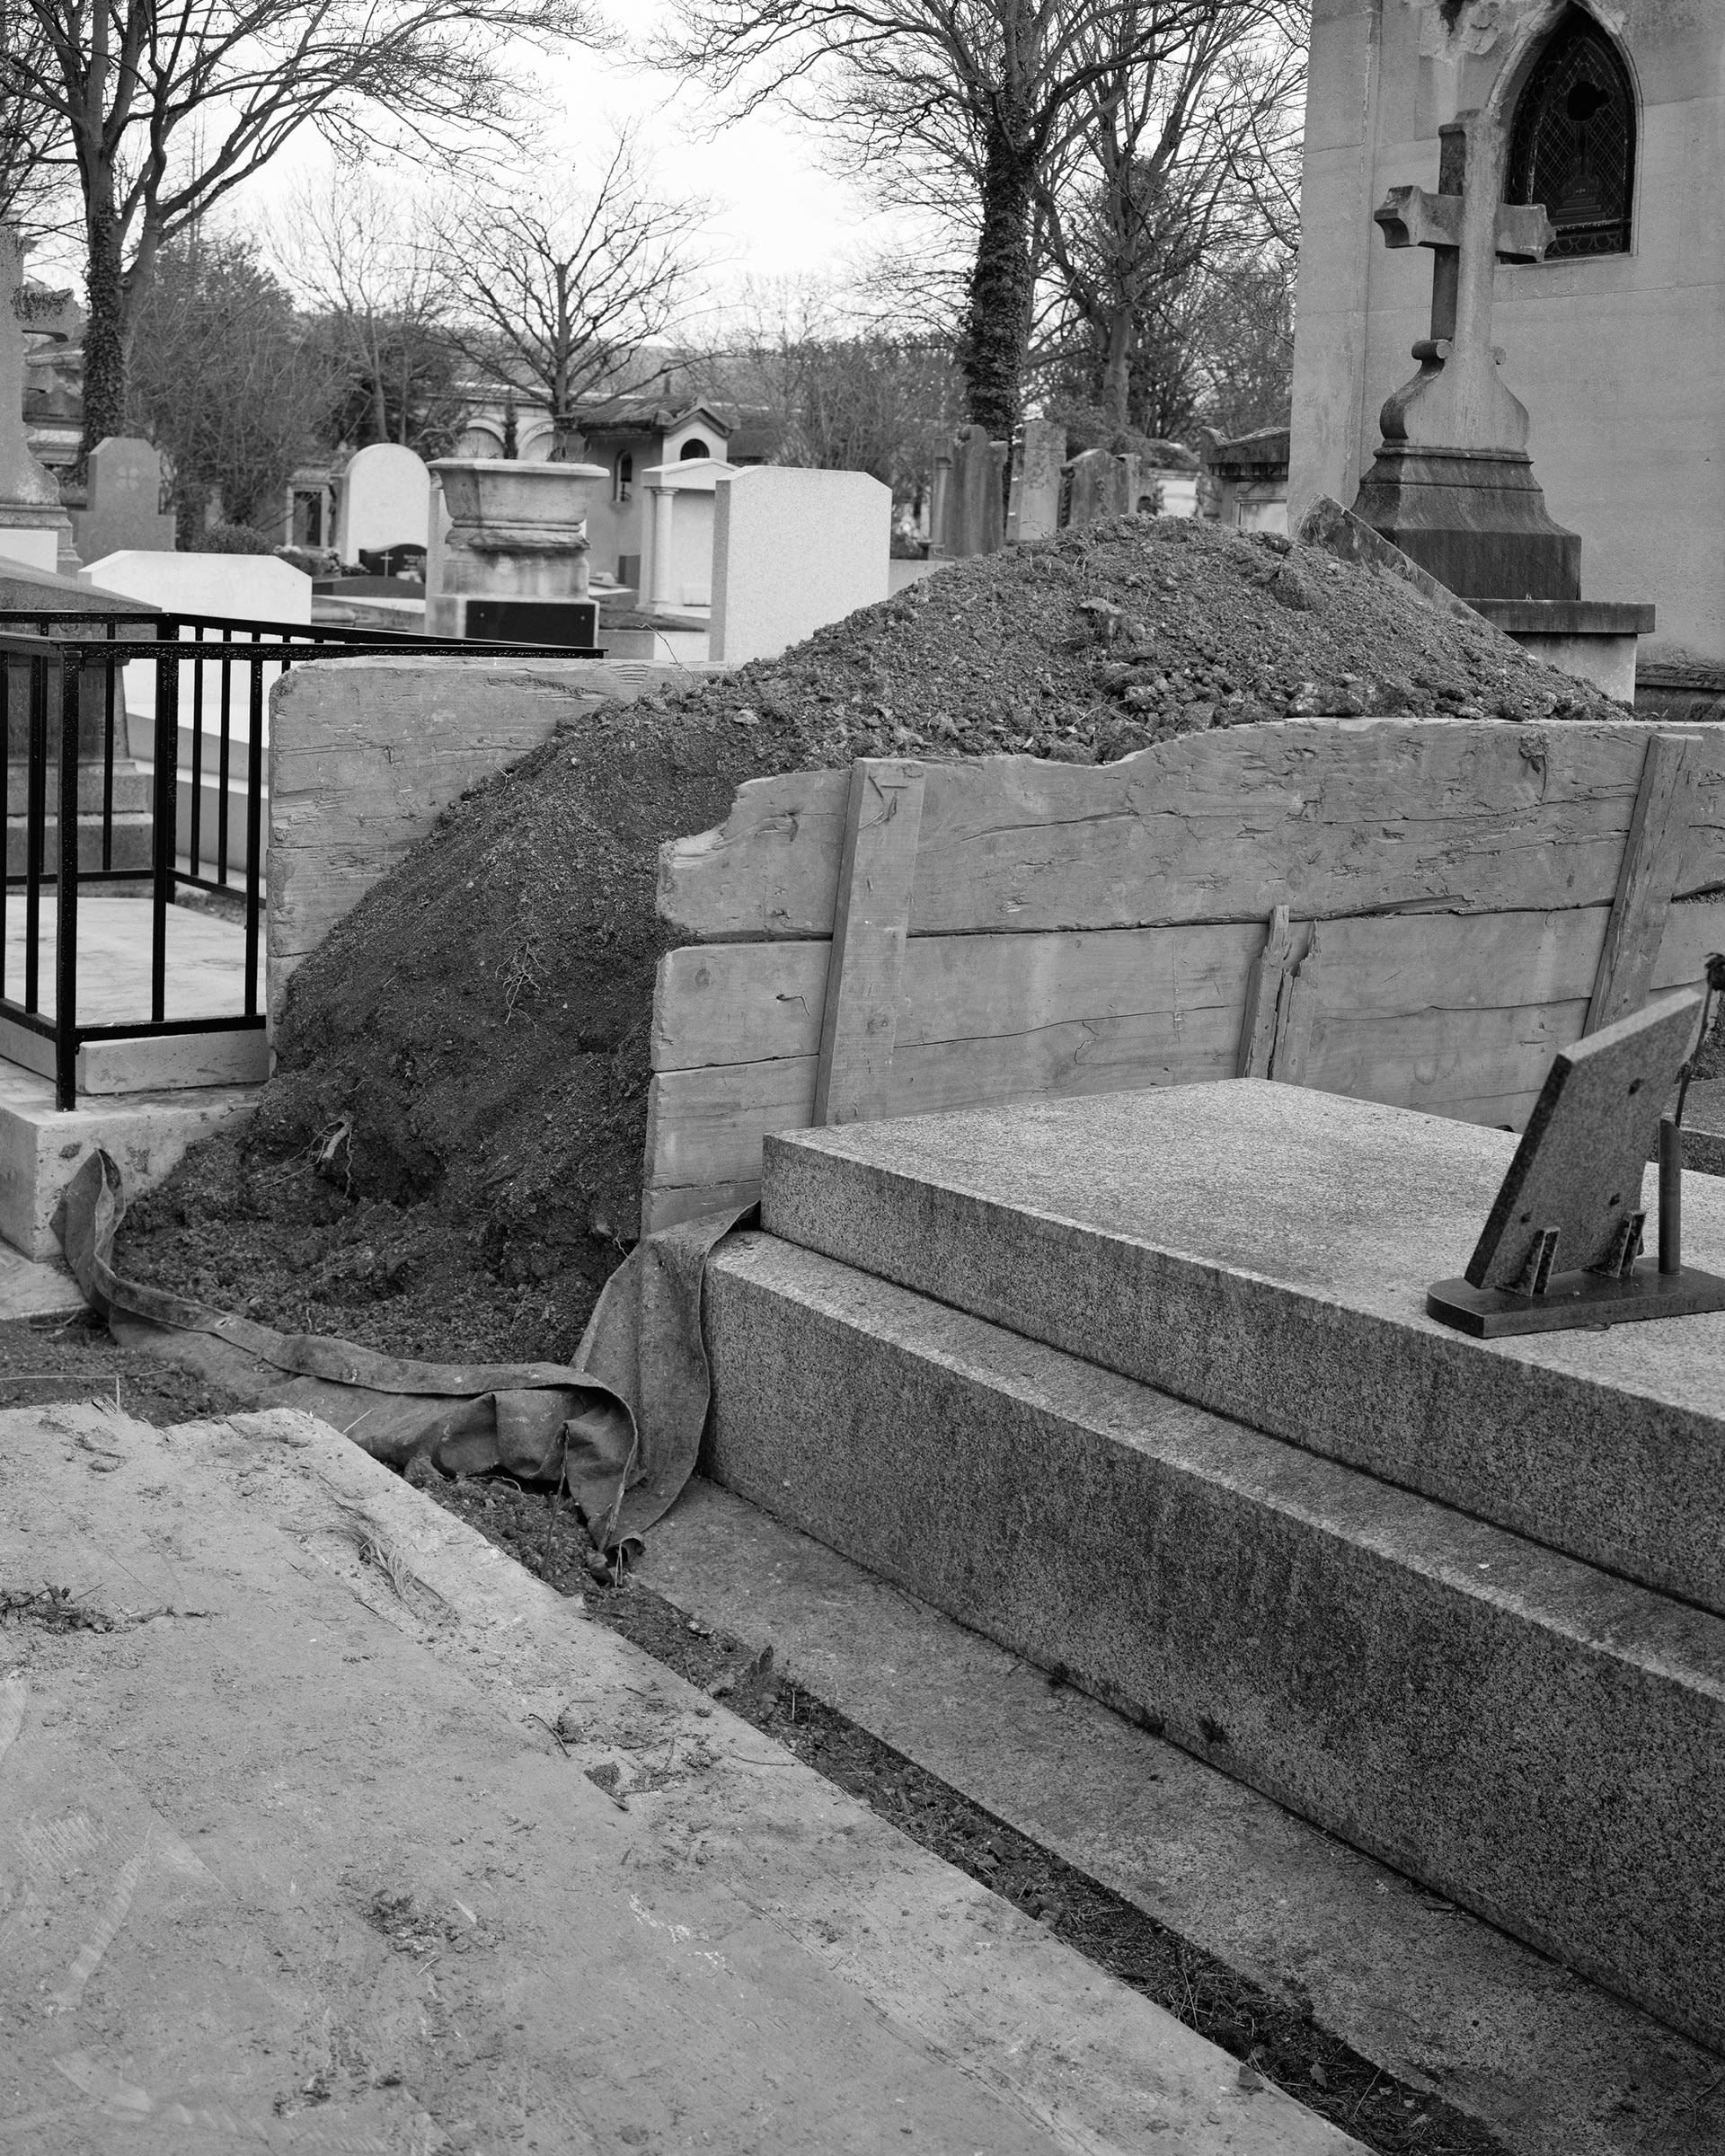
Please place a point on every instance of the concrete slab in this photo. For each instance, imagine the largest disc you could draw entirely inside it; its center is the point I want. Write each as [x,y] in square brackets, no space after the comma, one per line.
[1552,2065]
[1264,1250]
[206,965]
[293,1857]
[41,1148]
[32,1289]
[1537,1740]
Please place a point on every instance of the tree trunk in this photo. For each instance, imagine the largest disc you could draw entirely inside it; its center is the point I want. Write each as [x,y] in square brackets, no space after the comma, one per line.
[1117,371]
[997,318]
[104,335]
[191,507]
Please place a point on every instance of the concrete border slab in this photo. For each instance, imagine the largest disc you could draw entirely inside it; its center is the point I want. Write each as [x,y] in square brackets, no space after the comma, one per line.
[672,1928]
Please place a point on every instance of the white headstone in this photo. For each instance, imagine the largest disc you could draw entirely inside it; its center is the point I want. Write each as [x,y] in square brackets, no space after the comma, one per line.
[241,588]
[386,501]
[792,551]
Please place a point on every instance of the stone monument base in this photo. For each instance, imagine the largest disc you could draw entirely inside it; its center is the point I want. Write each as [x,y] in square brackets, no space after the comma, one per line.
[1595,639]
[1475,519]
[38,546]
[1143,1387]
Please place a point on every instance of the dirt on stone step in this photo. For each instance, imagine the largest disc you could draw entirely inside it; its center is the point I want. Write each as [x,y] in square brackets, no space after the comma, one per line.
[447,1162]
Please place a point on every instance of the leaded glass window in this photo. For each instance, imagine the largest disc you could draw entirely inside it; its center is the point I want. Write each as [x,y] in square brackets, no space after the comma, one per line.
[1573,148]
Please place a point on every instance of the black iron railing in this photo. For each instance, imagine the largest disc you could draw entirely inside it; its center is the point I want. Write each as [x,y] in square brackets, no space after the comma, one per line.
[62,709]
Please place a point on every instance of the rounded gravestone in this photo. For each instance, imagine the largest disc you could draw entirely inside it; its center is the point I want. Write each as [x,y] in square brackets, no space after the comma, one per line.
[386,500]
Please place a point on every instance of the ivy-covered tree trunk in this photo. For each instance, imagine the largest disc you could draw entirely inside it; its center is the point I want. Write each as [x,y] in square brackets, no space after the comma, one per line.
[104,335]
[1117,370]
[997,319]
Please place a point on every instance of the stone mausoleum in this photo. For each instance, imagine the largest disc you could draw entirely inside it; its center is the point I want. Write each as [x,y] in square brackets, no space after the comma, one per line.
[1612,114]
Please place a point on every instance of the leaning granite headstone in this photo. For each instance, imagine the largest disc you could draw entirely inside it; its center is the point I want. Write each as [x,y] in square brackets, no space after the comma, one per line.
[1561,1245]
[976,501]
[1044,452]
[124,514]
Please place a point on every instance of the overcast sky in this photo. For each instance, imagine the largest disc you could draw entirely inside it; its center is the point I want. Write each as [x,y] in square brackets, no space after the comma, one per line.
[775,214]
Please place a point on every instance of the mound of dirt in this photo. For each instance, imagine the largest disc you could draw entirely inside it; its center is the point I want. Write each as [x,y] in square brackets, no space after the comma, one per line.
[447,1161]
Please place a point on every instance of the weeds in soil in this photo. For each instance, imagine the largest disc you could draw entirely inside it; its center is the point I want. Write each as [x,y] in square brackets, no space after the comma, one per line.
[330,1145]
[53,1609]
[522,979]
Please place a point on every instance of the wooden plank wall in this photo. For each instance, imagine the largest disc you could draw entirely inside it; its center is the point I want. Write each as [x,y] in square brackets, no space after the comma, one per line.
[1449,885]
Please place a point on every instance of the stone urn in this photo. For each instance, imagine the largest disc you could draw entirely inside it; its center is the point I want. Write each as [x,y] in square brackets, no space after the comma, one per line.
[517,533]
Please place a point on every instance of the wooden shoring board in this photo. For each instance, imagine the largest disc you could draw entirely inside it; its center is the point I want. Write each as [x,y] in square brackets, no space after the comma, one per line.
[1653,855]
[872,913]
[1264,988]
[748,1003]
[1459,1014]
[1329,818]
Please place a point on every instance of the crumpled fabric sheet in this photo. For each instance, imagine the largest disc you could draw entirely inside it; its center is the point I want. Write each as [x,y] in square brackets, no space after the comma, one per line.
[619,1427]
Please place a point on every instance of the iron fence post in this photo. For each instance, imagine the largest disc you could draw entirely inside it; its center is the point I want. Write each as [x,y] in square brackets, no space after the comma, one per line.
[254,837]
[65,941]
[35,832]
[165,832]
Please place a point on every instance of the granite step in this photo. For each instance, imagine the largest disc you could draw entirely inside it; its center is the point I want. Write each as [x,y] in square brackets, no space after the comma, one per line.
[1535,1738]
[1264,1252]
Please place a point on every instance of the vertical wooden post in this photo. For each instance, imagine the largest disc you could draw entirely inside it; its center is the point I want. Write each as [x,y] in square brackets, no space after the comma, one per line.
[1652,862]
[1265,985]
[1293,1046]
[859,1019]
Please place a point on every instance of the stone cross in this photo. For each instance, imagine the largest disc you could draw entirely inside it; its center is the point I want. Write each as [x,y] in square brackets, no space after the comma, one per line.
[41,313]
[1458,399]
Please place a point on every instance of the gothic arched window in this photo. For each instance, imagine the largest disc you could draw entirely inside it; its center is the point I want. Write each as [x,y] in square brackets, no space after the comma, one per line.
[1573,148]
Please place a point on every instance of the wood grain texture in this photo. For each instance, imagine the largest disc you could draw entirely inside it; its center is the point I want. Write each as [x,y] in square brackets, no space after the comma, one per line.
[1653,854]
[747,1002]
[859,1017]
[366,753]
[1264,986]
[1328,817]
[1457,1015]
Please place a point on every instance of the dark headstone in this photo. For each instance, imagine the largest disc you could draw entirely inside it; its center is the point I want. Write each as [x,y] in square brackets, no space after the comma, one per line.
[570,622]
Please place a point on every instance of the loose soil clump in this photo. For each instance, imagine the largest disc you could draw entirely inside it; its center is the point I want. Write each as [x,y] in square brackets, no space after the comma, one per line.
[447,1162]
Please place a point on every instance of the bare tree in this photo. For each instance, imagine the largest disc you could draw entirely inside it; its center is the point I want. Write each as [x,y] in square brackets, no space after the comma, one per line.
[563,289]
[166,106]
[930,93]
[368,262]
[841,392]
[36,190]
[1168,178]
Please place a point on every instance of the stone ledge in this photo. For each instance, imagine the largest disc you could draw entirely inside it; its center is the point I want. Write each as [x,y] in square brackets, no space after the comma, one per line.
[1568,617]
[42,1149]
[1264,1250]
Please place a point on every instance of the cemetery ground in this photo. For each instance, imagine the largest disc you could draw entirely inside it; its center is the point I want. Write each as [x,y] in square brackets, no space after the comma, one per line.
[447,1164]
